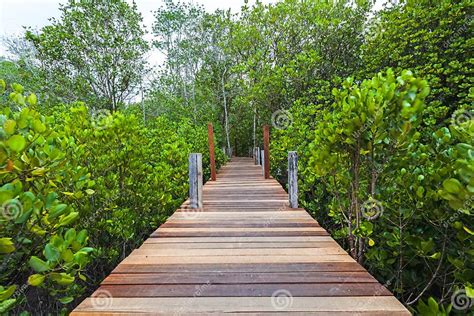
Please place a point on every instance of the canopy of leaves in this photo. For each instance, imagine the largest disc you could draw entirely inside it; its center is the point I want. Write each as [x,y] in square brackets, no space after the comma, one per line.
[96,48]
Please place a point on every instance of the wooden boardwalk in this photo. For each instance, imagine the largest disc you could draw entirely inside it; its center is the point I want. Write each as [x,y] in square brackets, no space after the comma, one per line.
[245,252]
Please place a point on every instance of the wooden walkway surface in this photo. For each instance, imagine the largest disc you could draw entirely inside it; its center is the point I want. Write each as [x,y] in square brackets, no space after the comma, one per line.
[245,252]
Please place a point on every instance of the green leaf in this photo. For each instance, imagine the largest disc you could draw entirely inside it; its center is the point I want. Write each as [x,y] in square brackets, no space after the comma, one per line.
[66,299]
[9,126]
[67,255]
[87,249]
[4,294]
[68,219]
[32,99]
[35,279]
[57,210]
[17,87]
[23,217]
[82,277]
[470,232]
[16,143]
[82,236]
[51,253]
[436,255]
[6,245]
[6,305]
[452,185]
[70,235]
[469,291]
[38,265]
[38,126]
[433,305]
[62,278]
[3,85]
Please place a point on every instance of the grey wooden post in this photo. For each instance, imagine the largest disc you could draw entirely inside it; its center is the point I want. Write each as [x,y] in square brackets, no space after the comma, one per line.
[293,179]
[258,155]
[262,156]
[195,180]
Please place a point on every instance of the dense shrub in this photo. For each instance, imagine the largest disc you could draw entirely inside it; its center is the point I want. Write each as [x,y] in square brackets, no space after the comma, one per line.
[421,246]
[400,205]
[79,192]
[433,39]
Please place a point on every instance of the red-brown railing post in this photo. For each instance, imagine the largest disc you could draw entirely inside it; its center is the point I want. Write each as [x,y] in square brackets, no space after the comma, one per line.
[210,134]
[266,148]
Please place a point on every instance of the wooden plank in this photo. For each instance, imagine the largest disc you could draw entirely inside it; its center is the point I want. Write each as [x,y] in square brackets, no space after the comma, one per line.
[383,304]
[215,224]
[242,239]
[233,277]
[246,245]
[239,267]
[238,234]
[137,259]
[239,252]
[248,290]
[242,229]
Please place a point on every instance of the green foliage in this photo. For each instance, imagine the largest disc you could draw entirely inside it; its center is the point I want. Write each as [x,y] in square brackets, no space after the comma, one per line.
[433,39]
[390,196]
[34,218]
[386,146]
[95,50]
[80,191]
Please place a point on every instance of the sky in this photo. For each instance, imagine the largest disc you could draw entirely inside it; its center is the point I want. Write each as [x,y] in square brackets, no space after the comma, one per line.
[14,14]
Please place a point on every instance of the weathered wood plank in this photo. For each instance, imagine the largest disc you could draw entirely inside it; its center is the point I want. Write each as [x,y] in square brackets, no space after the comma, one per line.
[158,251]
[383,305]
[138,259]
[247,245]
[232,277]
[242,239]
[239,267]
[254,289]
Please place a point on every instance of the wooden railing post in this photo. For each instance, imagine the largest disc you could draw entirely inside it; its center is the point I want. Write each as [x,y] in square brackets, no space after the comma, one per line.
[262,156]
[266,148]
[195,180]
[293,179]
[212,158]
